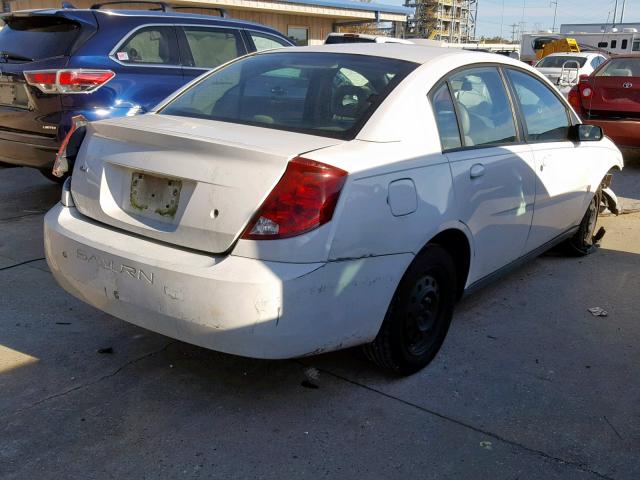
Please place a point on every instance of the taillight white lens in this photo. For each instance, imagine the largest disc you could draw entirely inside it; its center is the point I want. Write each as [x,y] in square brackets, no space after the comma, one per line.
[69,80]
[586,92]
[304,198]
[61,165]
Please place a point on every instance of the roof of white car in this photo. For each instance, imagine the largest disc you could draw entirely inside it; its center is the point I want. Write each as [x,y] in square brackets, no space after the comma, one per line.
[575,54]
[410,53]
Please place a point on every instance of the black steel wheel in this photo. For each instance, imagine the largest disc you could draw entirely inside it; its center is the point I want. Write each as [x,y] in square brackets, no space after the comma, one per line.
[419,316]
[586,238]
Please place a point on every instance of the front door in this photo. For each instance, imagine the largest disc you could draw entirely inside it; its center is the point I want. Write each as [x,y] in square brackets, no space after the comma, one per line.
[562,169]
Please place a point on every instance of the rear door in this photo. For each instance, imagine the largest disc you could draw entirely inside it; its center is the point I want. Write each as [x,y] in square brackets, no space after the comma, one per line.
[204,48]
[150,60]
[35,42]
[492,168]
[616,89]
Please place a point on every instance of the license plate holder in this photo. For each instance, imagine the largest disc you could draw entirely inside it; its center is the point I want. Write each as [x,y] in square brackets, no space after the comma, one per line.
[154,196]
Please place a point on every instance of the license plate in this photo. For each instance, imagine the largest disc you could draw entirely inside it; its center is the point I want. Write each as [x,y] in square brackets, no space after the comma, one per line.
[154,196]
[7,94]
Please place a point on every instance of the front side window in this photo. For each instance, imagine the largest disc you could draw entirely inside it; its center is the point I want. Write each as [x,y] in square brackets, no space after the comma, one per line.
[150,45]
[636,45]
[326,94]
[614,43]
[545,116]
[625,42]
[446,118]
[621,67]
[211,47]
[298,35]
[263,41]
[486,117]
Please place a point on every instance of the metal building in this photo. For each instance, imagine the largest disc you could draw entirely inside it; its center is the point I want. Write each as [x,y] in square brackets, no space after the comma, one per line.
[446,20]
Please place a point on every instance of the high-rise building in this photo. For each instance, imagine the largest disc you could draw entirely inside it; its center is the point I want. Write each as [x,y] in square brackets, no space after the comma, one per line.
[446,20]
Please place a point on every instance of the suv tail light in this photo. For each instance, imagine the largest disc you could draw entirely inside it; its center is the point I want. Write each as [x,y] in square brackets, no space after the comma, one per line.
[68,81]
[304,198]
[69,148]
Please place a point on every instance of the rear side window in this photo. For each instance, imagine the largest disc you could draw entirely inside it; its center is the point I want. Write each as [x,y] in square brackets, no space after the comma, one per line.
[150,45]
[211,47]
[559,61]
[486,117]
[636,45]
[625,42]
[37,37]
[446,118]
[326,94]
[263,41]
[545,116]
[614,43]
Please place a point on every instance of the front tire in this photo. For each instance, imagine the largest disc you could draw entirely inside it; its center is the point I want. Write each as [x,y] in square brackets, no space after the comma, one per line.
[419,316]
[584,241]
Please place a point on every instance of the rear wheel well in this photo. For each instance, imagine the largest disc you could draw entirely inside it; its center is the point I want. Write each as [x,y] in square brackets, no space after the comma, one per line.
[457,245]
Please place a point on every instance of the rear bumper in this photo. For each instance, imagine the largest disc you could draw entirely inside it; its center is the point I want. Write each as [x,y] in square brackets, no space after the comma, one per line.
[27,150]
[227,303]
[624,133]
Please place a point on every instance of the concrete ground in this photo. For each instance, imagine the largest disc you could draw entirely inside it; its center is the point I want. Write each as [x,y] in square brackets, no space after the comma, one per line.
[529,385]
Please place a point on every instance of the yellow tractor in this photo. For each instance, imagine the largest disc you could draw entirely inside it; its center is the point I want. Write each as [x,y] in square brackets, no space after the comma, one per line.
[556,46]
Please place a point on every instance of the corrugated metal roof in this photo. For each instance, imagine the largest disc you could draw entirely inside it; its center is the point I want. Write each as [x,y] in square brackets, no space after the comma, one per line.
[371,7]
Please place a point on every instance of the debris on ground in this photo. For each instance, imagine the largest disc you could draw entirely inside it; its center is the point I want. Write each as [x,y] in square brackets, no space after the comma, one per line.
[312,375]
[105,350]
[598,312]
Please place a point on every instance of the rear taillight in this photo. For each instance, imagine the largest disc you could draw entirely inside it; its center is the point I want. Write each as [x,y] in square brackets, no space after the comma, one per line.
[304,198]
[69,147]
[574,99]
[68,81]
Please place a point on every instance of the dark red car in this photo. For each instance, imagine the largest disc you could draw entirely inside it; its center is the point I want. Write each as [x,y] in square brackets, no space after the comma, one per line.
[610,98]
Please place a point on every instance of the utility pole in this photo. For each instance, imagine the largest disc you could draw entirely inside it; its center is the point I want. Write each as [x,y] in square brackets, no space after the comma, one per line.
[513,32]
[555,14]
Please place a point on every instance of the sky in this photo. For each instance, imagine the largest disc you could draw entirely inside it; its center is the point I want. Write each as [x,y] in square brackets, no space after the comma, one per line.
[538,14]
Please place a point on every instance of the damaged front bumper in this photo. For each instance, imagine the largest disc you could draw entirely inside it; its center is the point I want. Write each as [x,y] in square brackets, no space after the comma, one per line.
[227,303]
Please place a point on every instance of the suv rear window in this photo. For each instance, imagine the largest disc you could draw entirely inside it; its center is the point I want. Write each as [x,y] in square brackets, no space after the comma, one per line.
[37,37]
[325,94]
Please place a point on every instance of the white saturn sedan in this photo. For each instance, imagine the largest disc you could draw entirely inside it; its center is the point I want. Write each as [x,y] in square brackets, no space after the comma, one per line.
[298,201]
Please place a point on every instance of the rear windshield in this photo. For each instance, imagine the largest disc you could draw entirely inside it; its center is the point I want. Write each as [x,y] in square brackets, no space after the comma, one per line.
[621,67]
[347,39]
[559,61]
[326,94]
[36,37]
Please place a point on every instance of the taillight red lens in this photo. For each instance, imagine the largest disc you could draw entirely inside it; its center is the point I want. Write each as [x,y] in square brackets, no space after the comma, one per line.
[574,98]
[68,81]
[304,198]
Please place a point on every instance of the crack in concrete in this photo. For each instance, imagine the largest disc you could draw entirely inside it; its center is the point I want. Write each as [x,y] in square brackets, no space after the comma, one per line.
[513,443]
[94,382]
[19,217]
[26,262]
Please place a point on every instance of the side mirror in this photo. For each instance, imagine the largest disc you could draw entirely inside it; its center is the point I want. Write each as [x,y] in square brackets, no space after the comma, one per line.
[585,133]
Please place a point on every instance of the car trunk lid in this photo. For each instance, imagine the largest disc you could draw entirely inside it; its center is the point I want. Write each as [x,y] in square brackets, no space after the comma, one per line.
[189,182]
[613,96]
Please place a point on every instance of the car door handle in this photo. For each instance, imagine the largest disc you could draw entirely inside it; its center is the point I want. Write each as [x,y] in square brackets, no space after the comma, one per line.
[477,170]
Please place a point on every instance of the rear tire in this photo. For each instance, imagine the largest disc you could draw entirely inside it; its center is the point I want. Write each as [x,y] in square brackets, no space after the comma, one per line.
[419,316]
[47,173]
[583,242]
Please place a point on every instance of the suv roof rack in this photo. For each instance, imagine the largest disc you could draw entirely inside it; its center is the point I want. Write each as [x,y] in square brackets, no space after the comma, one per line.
[160,6]
[221,11]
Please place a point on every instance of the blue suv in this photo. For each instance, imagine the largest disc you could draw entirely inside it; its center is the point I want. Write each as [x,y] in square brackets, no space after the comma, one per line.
[62,63]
